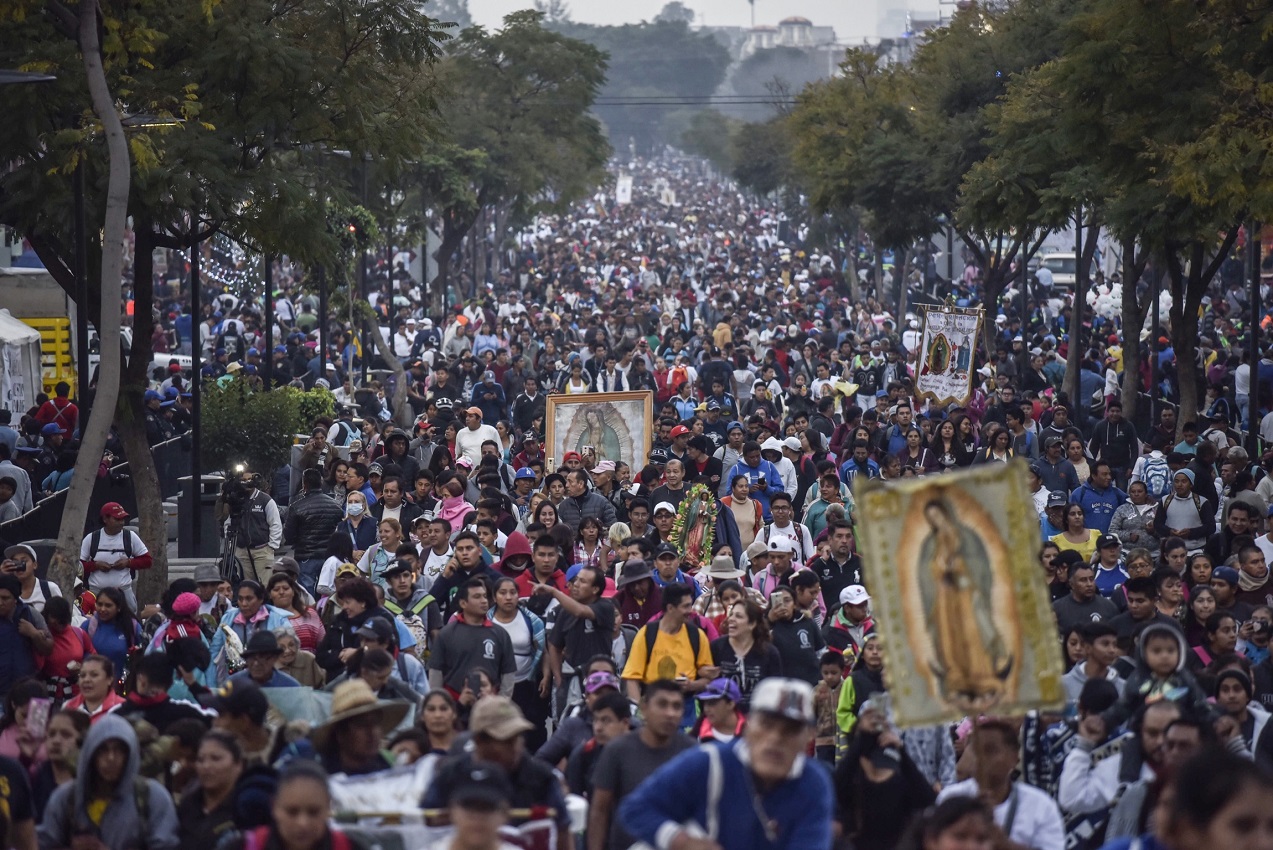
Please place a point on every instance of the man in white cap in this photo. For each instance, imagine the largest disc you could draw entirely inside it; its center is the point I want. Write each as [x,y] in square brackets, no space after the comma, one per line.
[682,805]
[847,630]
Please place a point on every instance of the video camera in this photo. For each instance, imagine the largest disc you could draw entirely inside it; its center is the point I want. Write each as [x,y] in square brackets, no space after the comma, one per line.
[234,492]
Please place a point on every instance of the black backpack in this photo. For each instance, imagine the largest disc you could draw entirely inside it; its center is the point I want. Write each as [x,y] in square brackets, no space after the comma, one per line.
[652,633]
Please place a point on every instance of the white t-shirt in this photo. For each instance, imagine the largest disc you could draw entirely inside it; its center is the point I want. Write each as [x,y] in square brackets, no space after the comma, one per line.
[523,644]
[36,600]
[431,566]
[110,548]
[1036,823]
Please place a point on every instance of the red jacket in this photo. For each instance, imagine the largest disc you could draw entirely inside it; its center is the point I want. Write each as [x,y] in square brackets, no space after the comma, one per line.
[526,584]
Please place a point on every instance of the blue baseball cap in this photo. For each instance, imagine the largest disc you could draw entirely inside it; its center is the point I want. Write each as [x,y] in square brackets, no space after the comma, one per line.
[280,349]
[171,392]
[524,473]
[252,352]
[732,425]
[151,395]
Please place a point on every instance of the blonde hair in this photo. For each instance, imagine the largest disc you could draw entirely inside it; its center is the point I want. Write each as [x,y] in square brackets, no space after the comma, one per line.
[619,532]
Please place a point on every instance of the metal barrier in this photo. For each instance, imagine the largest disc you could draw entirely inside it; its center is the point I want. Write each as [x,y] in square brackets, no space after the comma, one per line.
[172,462]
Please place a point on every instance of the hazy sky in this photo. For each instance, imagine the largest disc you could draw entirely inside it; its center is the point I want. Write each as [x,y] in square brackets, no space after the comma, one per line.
[853,19]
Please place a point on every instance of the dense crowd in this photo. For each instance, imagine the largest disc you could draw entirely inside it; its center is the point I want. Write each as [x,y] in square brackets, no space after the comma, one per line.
[532,626]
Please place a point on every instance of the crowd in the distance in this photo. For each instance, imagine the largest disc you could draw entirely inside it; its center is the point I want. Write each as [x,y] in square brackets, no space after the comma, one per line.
[539,627]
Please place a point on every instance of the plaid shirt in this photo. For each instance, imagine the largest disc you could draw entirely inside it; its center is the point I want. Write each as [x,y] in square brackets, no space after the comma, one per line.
[709,607]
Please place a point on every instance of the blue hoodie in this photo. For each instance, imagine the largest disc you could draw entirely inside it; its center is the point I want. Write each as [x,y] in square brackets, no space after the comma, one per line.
[773,482]
[800,808]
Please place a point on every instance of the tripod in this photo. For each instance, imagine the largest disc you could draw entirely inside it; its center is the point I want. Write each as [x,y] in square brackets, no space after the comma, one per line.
[227,564]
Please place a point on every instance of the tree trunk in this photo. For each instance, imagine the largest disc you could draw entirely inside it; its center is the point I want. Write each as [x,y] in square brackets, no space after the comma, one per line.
[452,238]
[401,412]
[1074,352]
[131,419]
[1133,322]
[992,290]
[64,565]
[901,265]
[1187,290]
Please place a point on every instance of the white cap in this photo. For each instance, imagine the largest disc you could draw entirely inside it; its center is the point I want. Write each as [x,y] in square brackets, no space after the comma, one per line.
[664,506]
[791,699]
[782,543]
[854,594]
[792,443]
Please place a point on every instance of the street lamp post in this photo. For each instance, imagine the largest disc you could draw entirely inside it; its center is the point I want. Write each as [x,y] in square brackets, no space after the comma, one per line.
[268,359]
[81,292]
[1253,339]
[196,394]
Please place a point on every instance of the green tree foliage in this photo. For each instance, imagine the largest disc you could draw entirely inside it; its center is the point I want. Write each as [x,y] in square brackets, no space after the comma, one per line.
[675,12]
[761,155]
[453,12]
[659,60]
[709,135]
[898,142]
[1155,113]
[255,428]
[519,132]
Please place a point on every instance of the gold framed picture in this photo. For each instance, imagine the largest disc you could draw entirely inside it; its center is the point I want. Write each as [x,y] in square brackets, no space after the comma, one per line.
[618,427]
[958,596]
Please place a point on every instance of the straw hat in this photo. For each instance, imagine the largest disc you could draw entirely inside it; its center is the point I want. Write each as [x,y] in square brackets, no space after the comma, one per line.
[352,699]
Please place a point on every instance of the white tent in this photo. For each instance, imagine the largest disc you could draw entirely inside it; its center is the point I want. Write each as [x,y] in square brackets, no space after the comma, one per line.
[20,373]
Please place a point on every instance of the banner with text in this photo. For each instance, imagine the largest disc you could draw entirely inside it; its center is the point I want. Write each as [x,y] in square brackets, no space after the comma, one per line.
[947,351]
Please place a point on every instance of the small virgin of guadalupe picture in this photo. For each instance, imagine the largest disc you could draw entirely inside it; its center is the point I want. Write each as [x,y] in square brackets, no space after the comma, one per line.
[958,595]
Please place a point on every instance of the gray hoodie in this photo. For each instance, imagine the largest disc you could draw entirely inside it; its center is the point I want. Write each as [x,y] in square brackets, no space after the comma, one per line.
[121,827]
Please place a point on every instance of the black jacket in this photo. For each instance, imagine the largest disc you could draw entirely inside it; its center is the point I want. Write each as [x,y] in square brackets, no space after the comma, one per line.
[410,511]
[311,519]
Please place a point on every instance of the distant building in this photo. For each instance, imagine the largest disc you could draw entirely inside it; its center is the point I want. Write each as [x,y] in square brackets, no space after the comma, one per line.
[794,31]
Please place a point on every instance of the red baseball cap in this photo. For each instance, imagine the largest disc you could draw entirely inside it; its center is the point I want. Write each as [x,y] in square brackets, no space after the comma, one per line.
[114,509]
[678,431]
[568,455]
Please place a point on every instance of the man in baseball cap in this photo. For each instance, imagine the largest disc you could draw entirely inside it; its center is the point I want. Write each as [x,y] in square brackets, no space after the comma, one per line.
[498,728]
[794,802]
[111,554]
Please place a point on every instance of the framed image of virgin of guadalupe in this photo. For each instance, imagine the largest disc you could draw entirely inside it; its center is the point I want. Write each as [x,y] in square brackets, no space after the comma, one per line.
[958,596]
[617,426]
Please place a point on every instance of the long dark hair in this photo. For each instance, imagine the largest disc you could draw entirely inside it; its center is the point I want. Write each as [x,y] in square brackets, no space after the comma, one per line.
[937,819]
[298,595]
[126,620]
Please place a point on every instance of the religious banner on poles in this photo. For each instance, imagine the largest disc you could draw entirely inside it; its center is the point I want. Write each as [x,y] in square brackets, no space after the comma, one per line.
[958,596]
[944,371]
[623,189]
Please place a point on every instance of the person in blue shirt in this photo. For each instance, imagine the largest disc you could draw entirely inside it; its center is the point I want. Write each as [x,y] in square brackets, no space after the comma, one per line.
[697,793]
[667,563]
[1053,519]
[766,480]
[859,463]
[1098,497]
[1111,574]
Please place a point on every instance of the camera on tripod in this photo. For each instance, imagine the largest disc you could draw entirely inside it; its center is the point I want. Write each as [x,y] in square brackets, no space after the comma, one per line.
[234,492]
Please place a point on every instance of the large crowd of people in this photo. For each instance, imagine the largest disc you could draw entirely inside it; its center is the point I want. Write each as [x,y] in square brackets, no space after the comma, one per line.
[535,624]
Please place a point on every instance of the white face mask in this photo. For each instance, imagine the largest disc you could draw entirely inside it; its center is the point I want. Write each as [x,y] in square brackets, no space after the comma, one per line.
[356,508]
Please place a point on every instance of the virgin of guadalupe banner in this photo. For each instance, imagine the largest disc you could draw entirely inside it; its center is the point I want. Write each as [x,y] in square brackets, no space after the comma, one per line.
[958,596]
[946,352]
